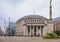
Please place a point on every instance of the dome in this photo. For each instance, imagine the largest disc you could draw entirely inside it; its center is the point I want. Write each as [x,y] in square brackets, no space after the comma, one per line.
[33,17]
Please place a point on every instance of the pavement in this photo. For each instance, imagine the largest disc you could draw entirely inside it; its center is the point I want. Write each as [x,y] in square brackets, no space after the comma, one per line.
[26,39]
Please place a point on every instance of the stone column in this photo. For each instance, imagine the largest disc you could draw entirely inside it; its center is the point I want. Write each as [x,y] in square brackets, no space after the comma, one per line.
[36,30]
[33,30]
[30,31]
[40,31]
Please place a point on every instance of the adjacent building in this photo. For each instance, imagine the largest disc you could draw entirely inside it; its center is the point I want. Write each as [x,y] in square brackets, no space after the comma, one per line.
[57,25]
[11,29]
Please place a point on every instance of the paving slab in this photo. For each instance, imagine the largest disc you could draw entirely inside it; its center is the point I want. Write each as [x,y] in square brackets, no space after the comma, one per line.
[26,39]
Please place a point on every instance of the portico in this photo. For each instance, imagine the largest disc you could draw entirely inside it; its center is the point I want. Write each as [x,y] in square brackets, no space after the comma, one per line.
[35,30]
[33,25]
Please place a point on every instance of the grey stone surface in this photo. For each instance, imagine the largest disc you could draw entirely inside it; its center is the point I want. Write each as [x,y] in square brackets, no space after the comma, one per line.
[26,39]
[33,21]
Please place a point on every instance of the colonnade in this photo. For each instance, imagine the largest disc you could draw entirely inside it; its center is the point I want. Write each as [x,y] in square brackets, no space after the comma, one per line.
[35,30]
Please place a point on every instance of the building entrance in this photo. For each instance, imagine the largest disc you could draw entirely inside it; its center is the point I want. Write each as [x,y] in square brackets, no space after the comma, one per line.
[35,31]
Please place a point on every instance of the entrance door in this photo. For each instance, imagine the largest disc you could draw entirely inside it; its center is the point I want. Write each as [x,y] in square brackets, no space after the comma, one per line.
[35,31]
[28,30]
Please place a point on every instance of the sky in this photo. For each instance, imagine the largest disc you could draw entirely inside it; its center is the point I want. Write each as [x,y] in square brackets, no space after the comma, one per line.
[16,9]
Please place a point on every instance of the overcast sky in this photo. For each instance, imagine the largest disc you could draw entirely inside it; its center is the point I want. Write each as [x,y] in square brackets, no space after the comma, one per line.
[15,9]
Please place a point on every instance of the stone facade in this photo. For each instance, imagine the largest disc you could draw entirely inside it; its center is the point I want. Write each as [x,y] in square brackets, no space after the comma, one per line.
[33,25]
[57,27]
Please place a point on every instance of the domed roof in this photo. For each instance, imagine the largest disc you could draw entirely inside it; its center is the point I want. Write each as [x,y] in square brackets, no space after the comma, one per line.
[33,17]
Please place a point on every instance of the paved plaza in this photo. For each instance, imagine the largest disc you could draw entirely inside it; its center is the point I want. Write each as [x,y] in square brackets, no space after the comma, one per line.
[26,39]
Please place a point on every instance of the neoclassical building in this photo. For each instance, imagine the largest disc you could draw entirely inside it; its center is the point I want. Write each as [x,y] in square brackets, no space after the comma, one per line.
[34,25]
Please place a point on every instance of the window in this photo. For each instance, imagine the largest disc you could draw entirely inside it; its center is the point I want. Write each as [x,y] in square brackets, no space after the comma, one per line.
[37,21]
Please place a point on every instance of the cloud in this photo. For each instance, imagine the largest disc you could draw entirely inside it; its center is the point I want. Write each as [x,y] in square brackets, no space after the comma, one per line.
[18,8]
[56,8]
[15,9]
